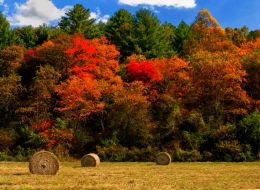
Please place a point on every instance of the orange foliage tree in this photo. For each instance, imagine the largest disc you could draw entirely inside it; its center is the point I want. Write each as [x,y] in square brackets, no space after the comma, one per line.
[40,75]
[217,82]
[206,34]
[41,94]
[248,47]
[52,53]
[128,118]
[217,74]
[10,82]
[52,133]
[251,62]
[93,66]
[79,97]
[175,76]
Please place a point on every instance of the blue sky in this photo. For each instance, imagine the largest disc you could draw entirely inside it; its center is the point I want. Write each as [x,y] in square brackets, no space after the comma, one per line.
[233,13]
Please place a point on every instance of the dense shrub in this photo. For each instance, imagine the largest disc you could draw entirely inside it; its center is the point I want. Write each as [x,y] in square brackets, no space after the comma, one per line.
[249,131]
[187,156]
[7,139]
[120,154]
[4,156]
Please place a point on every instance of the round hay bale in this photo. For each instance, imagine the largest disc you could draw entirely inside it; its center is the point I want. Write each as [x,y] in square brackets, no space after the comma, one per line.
[163,158]
[44,163]
[90,160]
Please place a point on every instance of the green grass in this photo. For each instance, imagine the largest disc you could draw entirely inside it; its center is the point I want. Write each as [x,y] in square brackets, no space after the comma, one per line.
[15,175]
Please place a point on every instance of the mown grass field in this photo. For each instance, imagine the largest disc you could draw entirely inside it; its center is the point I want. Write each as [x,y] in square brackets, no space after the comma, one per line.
[15,175]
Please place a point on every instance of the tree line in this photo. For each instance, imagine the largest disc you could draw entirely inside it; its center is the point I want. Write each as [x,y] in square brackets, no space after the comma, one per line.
[129,88]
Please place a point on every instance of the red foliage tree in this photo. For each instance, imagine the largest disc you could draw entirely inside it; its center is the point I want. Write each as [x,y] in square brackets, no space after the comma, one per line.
[93,58]
[145,71]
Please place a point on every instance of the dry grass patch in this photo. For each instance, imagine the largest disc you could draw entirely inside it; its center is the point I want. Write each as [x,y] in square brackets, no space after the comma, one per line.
[150,176]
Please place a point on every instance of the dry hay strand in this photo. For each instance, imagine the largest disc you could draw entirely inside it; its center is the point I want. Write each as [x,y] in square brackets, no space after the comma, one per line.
[90,160]
[44,163]
[163,158]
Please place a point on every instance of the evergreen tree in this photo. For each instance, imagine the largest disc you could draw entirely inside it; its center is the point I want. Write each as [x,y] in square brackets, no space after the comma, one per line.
[120,30]
[78,20]
[5,32]
[167,38]
[150,40]
[26,36]
[182,33]
[147,31]
[237,35]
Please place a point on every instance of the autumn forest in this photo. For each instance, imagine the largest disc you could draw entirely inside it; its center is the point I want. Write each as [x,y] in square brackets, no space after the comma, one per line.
[129,88]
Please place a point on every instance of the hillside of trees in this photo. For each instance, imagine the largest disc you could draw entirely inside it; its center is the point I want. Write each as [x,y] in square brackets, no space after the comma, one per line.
[129,88]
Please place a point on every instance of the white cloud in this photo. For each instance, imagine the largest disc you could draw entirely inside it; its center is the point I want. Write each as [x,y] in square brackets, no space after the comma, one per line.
[98,17]
[36,12]
[151,8]
[168,3]
[5,7]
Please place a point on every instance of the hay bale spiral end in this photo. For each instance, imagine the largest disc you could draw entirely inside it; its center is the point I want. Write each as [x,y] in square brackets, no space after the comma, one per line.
[90,160]
[44,163]
[163,158]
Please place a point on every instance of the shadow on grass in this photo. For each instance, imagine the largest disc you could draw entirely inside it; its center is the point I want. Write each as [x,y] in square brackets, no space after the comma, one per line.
[20,174]
[5,183]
